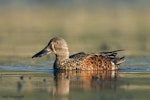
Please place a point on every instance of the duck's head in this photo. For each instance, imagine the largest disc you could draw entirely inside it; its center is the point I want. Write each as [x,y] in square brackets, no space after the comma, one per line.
[57,46]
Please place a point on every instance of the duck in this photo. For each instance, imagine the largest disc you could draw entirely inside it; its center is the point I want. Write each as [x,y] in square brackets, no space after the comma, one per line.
[82,60]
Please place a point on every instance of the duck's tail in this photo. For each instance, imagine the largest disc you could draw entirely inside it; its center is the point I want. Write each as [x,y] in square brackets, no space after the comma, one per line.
[120,60]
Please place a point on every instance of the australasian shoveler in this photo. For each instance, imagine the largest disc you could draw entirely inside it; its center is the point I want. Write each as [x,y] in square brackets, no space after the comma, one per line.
[82,60]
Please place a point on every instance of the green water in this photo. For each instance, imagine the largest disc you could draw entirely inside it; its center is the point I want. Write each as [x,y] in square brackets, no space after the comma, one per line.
[39,82]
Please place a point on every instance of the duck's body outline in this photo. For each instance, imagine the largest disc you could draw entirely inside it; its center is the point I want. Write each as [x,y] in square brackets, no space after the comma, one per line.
[81,60]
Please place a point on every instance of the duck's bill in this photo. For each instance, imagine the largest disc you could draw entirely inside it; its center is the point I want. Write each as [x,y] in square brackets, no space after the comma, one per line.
[41,53]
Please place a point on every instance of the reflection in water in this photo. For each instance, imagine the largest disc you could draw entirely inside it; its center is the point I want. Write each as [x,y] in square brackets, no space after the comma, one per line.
[19,86]
[83,79]
[66,85]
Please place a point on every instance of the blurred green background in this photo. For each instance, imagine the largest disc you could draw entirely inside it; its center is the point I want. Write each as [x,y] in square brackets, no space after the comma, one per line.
[26,26]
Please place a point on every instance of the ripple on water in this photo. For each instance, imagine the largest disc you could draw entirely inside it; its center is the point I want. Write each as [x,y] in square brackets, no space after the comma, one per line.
[39,67]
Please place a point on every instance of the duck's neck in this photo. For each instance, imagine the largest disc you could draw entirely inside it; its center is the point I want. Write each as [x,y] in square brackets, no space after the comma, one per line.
[60,59]
[62,56]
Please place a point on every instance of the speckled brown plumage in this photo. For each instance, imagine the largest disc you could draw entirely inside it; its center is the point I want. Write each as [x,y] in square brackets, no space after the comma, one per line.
[82,60]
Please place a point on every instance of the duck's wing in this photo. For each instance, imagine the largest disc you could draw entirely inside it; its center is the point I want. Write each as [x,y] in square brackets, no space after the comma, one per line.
[111,54]
[103,59]
[80,55]
[91,61]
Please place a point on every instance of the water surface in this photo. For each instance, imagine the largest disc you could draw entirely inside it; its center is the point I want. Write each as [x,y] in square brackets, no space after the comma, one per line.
[38,81]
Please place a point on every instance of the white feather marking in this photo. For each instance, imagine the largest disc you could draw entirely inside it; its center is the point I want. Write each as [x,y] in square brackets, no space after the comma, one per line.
[113,66]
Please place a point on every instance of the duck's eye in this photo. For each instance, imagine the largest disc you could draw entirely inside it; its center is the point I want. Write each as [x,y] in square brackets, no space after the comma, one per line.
[56,42]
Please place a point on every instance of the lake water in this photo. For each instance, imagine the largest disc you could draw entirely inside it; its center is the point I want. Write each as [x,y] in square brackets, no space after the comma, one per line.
[38,81]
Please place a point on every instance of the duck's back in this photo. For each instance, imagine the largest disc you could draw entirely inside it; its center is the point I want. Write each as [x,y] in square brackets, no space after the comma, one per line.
[95,61]
[86,61]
